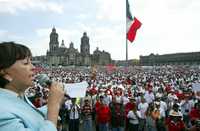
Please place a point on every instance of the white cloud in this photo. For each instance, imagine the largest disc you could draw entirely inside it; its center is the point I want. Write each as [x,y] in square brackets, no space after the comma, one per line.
[111,40]
[63,33]
[3,33]
[14,6]
[7,36]
[39,46]
[177,4]
[44,32]
[43,38]
[83,16]
[110,10]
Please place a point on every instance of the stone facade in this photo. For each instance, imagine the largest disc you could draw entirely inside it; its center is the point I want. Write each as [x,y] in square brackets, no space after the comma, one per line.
[100,57]
[192,58]
[61,55]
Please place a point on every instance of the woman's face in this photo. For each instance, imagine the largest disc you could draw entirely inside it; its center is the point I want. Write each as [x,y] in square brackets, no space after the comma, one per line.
[21,73]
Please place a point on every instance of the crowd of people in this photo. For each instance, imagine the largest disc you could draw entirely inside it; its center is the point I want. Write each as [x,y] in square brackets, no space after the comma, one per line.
[160,98]
[164,98]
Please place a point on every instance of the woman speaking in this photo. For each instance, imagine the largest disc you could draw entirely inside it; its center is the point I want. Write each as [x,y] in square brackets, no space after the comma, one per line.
[16,75]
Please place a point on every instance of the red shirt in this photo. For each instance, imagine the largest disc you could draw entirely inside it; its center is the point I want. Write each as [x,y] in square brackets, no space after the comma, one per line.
[108,91]
[97,105]
[194,114]
[179,95]
[93,91]
[103,114]
[128,81]
[129,106]
[172,126]
[168,88]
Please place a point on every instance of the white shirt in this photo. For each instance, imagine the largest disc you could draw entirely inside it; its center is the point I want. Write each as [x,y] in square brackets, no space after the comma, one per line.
[125,100]
[163,105]
[172,97]
[142,107]
[186,107]
[162,112]
[133,118]
[108,99]
[118,99]
[68,103]
[74,113]
[149,97]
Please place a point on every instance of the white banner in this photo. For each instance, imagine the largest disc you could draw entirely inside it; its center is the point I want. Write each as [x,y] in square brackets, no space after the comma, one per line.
[196,87]
[76,89]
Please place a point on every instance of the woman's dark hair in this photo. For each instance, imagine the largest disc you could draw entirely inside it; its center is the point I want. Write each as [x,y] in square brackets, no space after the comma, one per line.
[149,109]
[10,52]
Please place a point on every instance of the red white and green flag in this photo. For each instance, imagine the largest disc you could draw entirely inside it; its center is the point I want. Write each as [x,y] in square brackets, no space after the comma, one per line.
[132,24]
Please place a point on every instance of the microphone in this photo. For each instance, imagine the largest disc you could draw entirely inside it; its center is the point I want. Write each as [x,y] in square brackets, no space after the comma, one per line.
[43,80]
[72,89]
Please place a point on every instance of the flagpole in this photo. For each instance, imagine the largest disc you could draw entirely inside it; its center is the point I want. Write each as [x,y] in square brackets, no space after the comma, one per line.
[126,37]
[131,31]
[126,52]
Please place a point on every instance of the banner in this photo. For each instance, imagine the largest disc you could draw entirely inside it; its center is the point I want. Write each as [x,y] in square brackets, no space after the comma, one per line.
[196,87]
[76,89]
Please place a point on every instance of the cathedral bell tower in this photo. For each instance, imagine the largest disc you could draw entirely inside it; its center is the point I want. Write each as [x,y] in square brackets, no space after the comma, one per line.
[85,46]
[53,44]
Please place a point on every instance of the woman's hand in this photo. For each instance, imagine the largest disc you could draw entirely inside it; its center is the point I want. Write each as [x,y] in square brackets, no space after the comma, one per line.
[55,98]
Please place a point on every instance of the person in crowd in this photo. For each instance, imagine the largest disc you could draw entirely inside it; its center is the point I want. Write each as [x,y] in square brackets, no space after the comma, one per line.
[186,107]
[133,119]
[158,115]
[16,75]
[163,105]
[149,96]
[150,118]
[194,114]
[174,122]
[64,114]
[129,106]
[99,101]
[125,98]
[117,121]
[107,97]
[142,107]
[87,115]
[74,115]
[103,115]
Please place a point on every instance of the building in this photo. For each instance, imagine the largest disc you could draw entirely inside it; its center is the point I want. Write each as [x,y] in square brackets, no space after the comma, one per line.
[130,62]
[101,57]
[61,55]
[192,58]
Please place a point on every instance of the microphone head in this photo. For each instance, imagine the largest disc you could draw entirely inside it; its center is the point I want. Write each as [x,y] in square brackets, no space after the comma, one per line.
[43,80]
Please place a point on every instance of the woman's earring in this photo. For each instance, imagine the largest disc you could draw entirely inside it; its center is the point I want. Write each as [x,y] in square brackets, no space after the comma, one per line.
[7,77]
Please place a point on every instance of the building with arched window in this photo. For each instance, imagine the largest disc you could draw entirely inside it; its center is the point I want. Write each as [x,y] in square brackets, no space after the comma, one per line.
[61,55]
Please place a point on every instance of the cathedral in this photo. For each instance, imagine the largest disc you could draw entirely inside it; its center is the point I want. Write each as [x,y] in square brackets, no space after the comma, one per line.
[61,55]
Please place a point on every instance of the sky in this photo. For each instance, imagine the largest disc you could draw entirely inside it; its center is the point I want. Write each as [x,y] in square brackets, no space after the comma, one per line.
[168,26]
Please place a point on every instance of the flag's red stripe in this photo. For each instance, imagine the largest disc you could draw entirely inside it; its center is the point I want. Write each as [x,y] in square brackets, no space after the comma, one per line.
[133,29]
